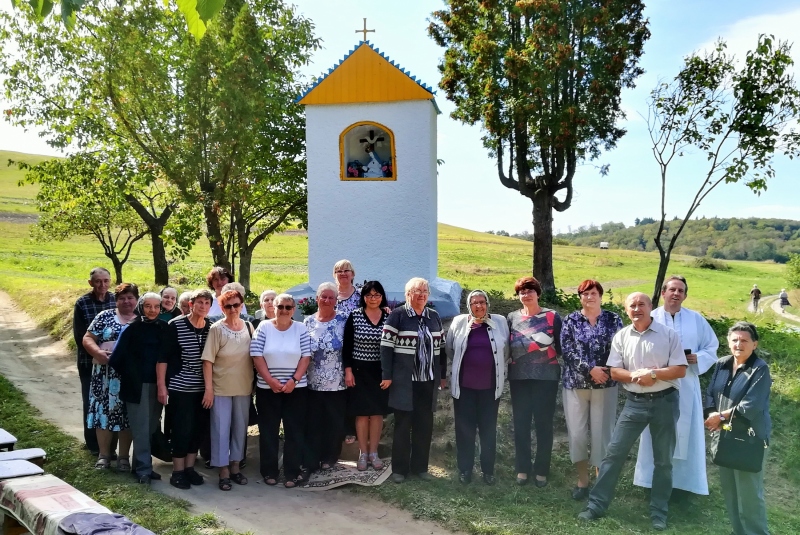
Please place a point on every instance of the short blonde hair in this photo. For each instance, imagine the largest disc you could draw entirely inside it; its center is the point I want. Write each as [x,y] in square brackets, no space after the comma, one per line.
[413,284]
[234,286]
[280,298]
[327,286]
[343,264]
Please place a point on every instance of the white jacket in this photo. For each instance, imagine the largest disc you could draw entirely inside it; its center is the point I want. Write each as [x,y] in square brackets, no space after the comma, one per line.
[456,345]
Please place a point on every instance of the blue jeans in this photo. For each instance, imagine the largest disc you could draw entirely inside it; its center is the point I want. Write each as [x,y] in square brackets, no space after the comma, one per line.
[660,414]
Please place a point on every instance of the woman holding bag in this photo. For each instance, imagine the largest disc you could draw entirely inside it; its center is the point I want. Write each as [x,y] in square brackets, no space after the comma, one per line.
[738,395]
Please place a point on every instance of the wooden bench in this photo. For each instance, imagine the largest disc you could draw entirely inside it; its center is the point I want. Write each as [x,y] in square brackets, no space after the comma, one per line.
[36,456]
[37,504]
[7,440]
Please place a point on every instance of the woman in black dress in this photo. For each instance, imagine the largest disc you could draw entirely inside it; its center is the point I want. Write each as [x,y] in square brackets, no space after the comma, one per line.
[361,356]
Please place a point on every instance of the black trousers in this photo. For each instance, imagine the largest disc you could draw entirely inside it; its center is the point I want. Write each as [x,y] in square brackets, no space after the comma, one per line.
[413,430]
[272,410]
[325,427]
[89,435]
[533,398]
[476,409]
[190,422]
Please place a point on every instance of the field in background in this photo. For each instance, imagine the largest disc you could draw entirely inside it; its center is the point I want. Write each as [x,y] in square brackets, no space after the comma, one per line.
[15,199]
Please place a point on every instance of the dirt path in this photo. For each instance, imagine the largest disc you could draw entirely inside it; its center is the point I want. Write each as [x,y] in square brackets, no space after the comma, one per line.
[45,371]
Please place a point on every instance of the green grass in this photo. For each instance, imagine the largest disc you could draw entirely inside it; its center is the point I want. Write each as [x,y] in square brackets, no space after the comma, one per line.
[120,493]
[12,197]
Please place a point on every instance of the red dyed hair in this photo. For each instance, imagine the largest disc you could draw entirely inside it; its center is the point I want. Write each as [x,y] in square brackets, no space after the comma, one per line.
[227,296]
[528,283]
[589,284]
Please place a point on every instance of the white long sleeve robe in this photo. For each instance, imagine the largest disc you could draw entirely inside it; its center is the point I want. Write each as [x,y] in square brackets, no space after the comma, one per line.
[689,459]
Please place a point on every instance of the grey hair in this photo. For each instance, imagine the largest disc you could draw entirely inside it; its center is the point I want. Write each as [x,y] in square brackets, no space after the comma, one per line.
[413,284]
[744,327]
[327,286]
[284,297]
[150,295]
[97,270]
[234,286]
[202,293]
[185,298]
[265,293]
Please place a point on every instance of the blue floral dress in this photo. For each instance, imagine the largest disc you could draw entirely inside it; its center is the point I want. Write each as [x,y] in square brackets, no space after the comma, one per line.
[326,371]
[106,410]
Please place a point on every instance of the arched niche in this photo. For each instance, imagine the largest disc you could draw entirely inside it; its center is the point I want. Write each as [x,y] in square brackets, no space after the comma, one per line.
[366,152]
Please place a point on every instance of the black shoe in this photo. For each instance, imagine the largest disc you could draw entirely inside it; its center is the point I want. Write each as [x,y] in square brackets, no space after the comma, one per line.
[208,464]
[179,481]
[522,481]
[588,515]
[398,478]
[540,483]
[489,479]
[659,524]
[193,477]
[144,480]
[580,493]
[155,476]
[465,477]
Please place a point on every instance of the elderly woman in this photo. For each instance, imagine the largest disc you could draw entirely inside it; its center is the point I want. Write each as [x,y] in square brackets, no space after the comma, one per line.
[327,401]
[180,378]
[477,344]
[267,311]
[739,390]
[347,294]
[361,356]
[228,375]
[106,410]
[784,297]
[413,366]
[590,396]
[169,304]
[533,375]
[217,278]
[134,359]
[184,303]
[281,350]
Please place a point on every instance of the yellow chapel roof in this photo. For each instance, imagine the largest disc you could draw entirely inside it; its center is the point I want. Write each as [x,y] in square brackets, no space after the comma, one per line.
[366,75]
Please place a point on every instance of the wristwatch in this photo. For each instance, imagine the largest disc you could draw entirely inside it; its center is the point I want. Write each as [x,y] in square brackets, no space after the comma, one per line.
[722,417]
[295,380]
[653,375]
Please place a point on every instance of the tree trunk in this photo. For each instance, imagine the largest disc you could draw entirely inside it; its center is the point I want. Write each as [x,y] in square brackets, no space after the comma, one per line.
[215,241]
[663,264]
[245,259]
[160,266]
[117,267]
[543,239]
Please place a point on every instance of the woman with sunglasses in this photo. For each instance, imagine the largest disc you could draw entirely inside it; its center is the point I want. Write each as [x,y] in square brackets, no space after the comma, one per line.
[228,376]
[281,350]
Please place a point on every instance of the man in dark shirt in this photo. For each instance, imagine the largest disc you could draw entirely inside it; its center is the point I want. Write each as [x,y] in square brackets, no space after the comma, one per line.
[755,295]
[86,308]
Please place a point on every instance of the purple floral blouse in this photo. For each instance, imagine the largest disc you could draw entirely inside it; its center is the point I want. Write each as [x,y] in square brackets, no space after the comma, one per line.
[585,346]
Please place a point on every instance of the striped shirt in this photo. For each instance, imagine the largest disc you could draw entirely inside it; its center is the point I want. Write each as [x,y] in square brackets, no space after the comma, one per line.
[410,333]
[362,339]
[86,309]
[182,352]
[282,350]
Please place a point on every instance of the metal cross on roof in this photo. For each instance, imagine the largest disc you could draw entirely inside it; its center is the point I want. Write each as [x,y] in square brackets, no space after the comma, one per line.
[365,30]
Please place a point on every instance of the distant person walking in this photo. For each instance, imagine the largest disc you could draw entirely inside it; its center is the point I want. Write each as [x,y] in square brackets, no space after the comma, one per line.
[755,295]
[86,308]
[784,297]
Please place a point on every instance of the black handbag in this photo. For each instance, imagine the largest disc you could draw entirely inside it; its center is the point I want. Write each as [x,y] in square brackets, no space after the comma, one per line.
[160,447]
[736,446]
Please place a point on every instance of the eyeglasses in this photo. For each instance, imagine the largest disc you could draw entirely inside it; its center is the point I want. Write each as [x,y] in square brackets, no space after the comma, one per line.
[420,292]
[284,307]
[478,304]
[340,271]
[373,296]
[231,306]
[526,292]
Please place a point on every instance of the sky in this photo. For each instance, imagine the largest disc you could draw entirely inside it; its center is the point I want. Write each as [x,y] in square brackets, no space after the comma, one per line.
[470,193]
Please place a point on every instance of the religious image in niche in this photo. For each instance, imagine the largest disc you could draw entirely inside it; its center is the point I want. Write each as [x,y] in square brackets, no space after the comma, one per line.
[367,152]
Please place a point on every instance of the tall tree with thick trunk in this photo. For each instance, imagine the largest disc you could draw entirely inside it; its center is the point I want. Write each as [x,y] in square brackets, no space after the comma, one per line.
[737,117]
[543,78]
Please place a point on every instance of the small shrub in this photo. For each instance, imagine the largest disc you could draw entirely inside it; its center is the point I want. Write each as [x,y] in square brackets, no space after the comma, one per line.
[705,262]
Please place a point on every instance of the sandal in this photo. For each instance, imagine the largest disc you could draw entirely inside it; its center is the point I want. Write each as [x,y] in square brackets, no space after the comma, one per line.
[123,464]
[376,461]
[271,481]
[102,463]
[239,478]
[225,484]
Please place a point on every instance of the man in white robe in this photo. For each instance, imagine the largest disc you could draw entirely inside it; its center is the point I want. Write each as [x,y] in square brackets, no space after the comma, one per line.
[689,459]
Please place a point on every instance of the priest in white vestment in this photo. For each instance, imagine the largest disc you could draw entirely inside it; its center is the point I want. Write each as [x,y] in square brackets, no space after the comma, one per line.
[689,459]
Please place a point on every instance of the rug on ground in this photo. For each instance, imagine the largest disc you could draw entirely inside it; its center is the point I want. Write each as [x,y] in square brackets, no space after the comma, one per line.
[346,473]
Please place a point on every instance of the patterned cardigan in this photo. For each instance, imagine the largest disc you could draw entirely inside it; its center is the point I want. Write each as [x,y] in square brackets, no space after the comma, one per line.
[398,351]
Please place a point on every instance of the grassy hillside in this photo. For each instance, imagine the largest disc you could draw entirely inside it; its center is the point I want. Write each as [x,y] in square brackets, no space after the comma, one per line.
[13,198]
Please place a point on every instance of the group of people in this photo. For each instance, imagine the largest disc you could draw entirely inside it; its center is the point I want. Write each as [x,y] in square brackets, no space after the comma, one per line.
[353,361]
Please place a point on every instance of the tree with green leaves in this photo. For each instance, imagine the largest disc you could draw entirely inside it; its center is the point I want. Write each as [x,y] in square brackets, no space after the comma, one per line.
[214,118]
[793,271]
[77,197]
[544,80]
[738,117]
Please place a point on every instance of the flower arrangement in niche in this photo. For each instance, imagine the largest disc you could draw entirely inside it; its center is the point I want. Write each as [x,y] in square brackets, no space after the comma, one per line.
[307,306]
